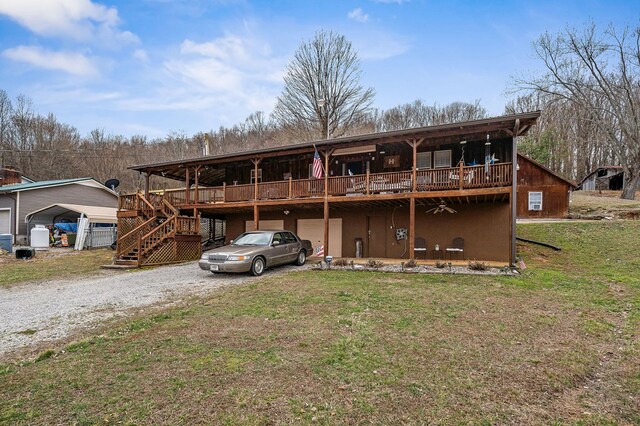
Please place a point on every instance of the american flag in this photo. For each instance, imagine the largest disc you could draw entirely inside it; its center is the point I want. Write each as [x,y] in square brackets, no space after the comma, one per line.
[317,166]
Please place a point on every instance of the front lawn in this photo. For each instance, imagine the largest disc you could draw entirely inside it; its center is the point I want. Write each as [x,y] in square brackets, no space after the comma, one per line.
[52,264]
[558,344]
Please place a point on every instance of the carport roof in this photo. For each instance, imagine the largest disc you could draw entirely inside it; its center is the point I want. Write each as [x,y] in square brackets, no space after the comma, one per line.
[93,213]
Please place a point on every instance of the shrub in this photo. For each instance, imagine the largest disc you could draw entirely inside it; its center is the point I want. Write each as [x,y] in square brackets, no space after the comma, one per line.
[341,262]
[412,263]
[373,263]
[477,266]
[440,264]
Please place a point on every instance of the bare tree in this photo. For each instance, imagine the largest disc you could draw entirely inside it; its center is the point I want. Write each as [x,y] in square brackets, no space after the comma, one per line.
[418,114]
[323,70]
[599,73]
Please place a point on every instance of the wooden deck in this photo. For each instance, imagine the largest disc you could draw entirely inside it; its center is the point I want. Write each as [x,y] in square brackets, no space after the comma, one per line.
[450,181]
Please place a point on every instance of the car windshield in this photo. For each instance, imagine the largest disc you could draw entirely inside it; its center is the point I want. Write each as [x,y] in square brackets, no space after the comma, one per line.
[253,239]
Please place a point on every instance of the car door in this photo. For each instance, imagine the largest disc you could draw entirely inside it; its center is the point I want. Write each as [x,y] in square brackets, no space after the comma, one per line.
[293,246]
[278,252]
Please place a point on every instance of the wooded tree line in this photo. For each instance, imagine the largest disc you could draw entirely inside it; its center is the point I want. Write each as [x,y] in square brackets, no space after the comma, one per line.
[590,98]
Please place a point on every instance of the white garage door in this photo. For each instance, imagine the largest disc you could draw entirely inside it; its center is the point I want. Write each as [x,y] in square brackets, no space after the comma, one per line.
[265,225]
[313,230]
[5,221]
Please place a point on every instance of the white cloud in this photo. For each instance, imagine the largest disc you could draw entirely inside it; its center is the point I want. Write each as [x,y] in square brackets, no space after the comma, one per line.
[391,1]
[141,55]
[76,19]
[358,15]
[379,45]
[71,62]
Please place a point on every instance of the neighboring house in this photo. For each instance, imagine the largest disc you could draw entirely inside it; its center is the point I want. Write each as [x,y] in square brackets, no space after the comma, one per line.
[541,192]
[387,193]
[19,200]
[604,178]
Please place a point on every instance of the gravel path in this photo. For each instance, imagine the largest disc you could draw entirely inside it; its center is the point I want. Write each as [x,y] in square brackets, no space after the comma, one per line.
[56,309]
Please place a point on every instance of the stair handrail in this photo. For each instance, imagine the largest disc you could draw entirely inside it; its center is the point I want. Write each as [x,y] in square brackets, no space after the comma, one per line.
[137,229]
[150,208]
[163,235]
[168,205]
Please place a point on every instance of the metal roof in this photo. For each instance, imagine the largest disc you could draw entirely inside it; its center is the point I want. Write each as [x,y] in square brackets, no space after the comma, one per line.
[45,184]
[461,128]
[93,213]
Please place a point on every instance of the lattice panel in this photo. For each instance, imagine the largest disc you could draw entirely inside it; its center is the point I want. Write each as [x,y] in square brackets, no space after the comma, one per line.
[126,224]
[161,255]
[188,250]
[212,228]
[172,251]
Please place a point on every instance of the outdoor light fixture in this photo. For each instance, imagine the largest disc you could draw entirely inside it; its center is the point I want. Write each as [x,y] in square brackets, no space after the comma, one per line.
[286,212]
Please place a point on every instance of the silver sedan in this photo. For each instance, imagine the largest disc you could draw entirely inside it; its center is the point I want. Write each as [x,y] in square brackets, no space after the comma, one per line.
[256,251]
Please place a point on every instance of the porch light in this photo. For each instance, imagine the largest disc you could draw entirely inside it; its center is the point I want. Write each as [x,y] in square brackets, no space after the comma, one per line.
[286,212]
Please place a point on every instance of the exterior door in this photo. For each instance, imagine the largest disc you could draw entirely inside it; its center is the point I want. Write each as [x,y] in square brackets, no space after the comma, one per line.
[377,236]
[313,230]
[5,221]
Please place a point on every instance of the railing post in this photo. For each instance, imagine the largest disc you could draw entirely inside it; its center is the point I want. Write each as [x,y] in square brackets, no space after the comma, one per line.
[367,181]
[224,191]
[290,187]
[461,173]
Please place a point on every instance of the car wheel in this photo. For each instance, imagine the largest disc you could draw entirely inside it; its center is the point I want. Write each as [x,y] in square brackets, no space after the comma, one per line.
[257,267]
[302,257]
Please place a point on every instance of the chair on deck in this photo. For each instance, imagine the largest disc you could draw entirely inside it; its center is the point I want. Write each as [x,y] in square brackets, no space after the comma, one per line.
[457,246]
[420,245]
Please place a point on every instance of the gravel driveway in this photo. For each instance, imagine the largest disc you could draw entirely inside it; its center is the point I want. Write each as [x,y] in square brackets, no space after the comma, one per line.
[56,309]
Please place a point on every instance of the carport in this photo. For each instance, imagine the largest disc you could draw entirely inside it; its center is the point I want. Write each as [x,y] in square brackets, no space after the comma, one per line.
[102,221]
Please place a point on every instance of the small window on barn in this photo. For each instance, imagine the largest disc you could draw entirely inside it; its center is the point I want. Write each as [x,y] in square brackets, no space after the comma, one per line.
[423,160]
[442,158]
[535,201]
[253,175]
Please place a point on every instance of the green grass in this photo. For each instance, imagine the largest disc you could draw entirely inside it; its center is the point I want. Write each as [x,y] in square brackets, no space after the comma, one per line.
[46,266]
[556,345]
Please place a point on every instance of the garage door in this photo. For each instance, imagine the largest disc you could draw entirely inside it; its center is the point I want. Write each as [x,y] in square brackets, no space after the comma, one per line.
[313,230]
[5,221]
[265,225]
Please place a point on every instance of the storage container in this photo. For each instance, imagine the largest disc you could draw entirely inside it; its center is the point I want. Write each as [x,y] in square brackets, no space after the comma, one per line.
[39,237]
[6,241]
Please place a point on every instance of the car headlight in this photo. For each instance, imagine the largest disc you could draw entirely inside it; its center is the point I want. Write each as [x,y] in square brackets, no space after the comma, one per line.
[205,257]
[236,258]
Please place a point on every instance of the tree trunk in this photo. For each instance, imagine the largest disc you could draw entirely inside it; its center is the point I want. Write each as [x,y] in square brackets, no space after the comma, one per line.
[630,185]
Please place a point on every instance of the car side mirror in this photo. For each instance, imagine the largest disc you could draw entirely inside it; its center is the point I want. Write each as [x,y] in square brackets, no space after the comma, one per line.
[275,243]
[231,242]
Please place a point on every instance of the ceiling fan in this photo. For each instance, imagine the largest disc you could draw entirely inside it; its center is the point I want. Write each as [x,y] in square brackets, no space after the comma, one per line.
[441,208]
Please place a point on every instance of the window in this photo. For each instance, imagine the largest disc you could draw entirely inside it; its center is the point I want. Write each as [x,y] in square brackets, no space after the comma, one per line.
[442,158]
[253,177]
[289,238]
[423,160]
[311,171]
[535,201]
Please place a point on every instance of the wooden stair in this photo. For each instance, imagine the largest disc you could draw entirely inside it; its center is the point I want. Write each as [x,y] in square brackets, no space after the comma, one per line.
[152,232]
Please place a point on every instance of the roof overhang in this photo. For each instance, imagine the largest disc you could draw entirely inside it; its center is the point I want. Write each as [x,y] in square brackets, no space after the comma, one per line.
[497,128]
[93,213]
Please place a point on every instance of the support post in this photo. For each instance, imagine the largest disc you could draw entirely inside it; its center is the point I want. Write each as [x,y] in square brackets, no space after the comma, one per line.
[326,227]
[412,226]
[514,189]
[256,217]
[255,177]
[224,192]
[461,174]
[327,153]
[196,196]
[414,169]
[187,196]
[146,185]
[367,181]
[290,187]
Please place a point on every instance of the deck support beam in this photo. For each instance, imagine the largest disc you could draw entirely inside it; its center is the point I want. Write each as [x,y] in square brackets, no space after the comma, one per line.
[146,185]
[195,195]
[514,189]
[327,154]
[412,226]
[414,143]
[187,195]
[256,162]
[256,217]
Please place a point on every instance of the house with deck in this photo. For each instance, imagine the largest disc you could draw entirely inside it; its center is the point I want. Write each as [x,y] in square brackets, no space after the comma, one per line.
[399,194]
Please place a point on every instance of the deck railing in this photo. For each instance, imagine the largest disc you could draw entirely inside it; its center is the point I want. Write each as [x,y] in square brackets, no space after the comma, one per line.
[441,179]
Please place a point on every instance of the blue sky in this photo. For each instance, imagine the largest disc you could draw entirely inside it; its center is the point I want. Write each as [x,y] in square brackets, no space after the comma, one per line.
[152,67]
